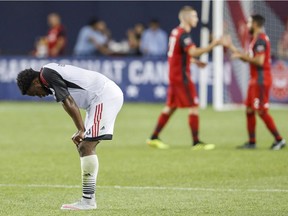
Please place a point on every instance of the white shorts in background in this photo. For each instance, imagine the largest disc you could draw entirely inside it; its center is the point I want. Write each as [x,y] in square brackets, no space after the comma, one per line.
[102,113]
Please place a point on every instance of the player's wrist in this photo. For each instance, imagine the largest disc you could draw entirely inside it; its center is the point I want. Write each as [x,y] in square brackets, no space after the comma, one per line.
[81,130]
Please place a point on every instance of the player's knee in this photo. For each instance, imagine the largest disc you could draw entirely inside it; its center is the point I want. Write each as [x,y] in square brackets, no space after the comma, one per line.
[194,111]
[168,110]
[86,148]
[81,149]
[250,111]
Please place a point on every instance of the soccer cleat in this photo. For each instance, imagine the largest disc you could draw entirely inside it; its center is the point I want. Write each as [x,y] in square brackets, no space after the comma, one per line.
[157,143]
[83,204]
[277,145]
[202,146]
[247,145]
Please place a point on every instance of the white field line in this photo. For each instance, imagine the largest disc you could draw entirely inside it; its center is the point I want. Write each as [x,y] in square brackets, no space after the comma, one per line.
[150,188]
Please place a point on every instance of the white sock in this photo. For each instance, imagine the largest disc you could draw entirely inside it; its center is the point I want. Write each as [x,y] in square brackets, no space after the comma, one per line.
[89,171]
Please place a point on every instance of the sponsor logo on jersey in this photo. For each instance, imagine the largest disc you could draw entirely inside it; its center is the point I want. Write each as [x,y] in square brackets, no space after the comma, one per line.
[260,48]
[88,132]
[256,103]
[187,41]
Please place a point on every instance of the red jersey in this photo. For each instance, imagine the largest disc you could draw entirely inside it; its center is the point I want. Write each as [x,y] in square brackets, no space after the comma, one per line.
[260,75]
[52,37]
[179,60]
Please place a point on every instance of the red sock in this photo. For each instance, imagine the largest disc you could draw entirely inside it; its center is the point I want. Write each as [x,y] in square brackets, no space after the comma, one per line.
[251,125]
[268,120]
[162,120]
[194,126]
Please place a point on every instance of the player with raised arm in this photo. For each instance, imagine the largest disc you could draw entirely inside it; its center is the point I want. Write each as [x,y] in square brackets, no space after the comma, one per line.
[181,90]
[260,82]
[78,88]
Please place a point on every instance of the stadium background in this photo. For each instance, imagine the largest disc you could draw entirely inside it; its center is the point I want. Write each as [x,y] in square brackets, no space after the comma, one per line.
[39,168]
[23,22]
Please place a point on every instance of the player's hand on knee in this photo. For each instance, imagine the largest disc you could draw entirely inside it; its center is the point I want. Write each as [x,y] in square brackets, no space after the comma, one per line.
[78,137]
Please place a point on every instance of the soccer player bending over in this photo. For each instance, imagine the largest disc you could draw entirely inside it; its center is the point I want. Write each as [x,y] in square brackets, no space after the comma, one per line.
[260,82]
[181,90]
[75,87]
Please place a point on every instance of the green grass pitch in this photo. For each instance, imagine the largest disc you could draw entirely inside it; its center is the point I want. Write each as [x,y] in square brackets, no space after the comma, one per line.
[40,168]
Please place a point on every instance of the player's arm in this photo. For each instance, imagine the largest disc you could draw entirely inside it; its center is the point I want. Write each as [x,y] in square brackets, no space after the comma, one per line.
[233,48]
[194,51]
[73,110]
[259,56]
[227,42]
[257,60]
[61,93]
[199,63]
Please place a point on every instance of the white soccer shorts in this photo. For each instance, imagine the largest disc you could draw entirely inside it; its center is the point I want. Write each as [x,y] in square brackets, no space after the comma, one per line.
[102,113]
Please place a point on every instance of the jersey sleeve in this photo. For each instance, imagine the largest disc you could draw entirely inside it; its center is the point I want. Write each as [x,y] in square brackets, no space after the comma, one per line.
[260,46]
[55,82]
[186,41]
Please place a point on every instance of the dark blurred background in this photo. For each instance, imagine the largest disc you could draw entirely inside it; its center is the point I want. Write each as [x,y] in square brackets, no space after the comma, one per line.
[21,23]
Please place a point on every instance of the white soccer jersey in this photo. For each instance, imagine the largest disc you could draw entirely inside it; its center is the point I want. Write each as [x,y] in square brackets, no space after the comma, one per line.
[83,85]
[99,96]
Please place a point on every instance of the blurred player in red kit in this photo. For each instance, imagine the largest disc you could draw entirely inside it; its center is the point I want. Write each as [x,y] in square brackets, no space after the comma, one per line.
[181,90]
[260,82]
[56,37]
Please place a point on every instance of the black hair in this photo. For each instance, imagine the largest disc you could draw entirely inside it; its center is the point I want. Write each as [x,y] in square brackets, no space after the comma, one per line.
[257,18]
[154,21]
[93,21]
[25,78]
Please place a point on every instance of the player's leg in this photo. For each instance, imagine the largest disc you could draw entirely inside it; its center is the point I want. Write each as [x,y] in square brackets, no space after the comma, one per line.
[251,102]
[89,168]
[101,128]
[193,119]
[165,115]
[99,124]
[190,100]
[251,129]
[154,140]
[263,95]
[251,124]
[162,121]
[270,124]
[89,171]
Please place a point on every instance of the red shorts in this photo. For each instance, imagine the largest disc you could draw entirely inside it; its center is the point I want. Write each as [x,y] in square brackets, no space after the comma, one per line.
[258,97]
[182,95]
